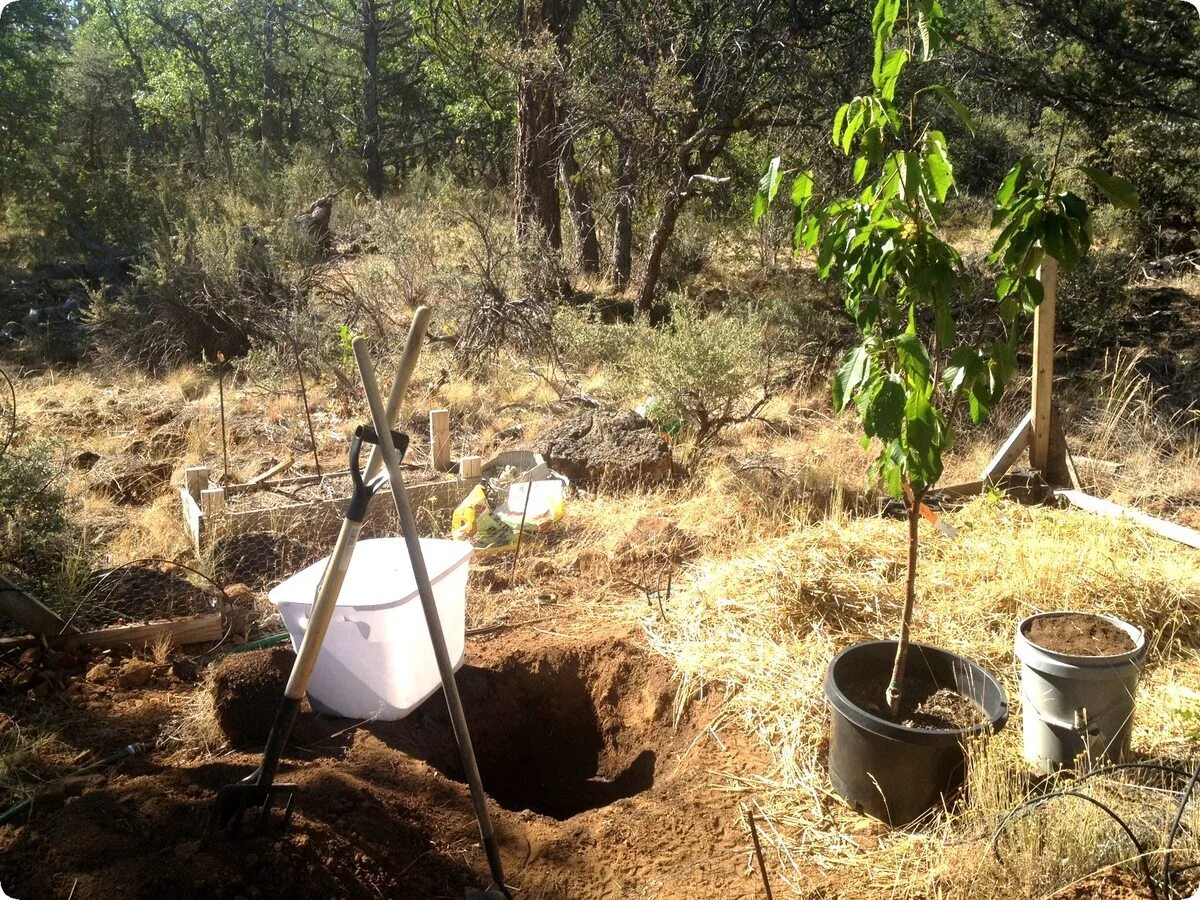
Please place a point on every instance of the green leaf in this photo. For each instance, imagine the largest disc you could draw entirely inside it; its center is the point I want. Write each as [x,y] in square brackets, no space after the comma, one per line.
[860,169]
[854,371]
[768,187]
[956,107]
[937,165]
[802,189]
[839,120]
[1009,185]
[852,127]
[889,73]
[885,414]
[962,370]
[913,357]
[1119,191]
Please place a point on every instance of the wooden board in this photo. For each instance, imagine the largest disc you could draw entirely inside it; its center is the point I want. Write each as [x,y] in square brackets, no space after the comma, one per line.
[1162,527]
[1043,366]
[201,629]
[27,611]
[1009,451]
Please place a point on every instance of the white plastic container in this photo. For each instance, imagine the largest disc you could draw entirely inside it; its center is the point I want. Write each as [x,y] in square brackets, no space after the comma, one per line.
[377,660]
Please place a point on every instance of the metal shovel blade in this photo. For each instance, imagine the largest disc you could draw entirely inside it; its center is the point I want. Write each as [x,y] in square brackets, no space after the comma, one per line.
[235,800]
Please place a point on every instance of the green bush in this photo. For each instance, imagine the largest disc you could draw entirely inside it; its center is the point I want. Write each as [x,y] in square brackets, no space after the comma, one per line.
[584,341]
[33,507]
[704,373]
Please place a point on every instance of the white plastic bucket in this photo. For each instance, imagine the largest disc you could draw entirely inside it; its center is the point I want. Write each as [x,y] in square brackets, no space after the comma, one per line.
[1055,686]
[377,660]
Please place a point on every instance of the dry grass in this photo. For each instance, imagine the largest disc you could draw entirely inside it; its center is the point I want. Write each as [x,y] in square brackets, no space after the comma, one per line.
[763,626]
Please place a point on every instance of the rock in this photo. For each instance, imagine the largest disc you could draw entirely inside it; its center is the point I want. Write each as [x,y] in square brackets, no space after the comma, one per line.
[99,673]
[246,688]
[242,595]
[132,480]
[134,673]
[608,447]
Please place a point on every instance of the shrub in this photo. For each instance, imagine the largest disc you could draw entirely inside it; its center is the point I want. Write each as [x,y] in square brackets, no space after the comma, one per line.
[33,508]
[703,373]
[584,341]
[212,286]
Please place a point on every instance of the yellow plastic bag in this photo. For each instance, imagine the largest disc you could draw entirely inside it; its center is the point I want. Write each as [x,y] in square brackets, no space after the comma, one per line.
[473,521]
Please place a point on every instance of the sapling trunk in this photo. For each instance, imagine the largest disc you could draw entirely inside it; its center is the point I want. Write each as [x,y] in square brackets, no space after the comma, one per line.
[894,695]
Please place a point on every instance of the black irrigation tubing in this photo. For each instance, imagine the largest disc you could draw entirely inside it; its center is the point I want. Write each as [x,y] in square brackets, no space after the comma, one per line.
[1035,802]
[135,562]
[12,413]
[1175,826]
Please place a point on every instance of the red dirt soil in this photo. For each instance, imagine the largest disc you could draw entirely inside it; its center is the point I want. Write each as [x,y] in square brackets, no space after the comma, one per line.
[580,729]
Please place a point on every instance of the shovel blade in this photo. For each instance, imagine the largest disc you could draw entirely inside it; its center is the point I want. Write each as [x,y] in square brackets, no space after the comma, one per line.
[234,801]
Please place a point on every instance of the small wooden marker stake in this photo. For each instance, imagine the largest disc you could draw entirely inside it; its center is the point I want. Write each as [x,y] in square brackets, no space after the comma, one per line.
[212,500]
[439,439]
[470,468]
[196,479]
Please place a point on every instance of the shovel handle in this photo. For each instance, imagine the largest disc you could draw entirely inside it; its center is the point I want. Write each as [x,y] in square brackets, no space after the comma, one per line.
[404,371]
[437,637]
[330,585]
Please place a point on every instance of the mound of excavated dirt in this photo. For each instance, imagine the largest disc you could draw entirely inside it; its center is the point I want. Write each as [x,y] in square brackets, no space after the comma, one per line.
[608,447]
[596,795]
[246,689]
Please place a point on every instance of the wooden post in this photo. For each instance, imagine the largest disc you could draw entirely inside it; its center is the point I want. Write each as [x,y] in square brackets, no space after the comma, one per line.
[196,479]
[212,500]
[470,468]
[1043,367]
[439,439]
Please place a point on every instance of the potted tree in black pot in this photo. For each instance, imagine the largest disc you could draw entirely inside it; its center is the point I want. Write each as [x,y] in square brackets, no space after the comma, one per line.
[903,711]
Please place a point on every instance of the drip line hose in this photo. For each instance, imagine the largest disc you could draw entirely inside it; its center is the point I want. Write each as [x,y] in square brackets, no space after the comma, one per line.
[1032,803]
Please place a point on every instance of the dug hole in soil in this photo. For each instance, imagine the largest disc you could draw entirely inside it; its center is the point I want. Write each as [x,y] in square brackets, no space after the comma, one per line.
[595,793]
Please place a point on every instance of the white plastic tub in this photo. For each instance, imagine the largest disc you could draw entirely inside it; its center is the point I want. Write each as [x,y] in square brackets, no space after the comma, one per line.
[377,661]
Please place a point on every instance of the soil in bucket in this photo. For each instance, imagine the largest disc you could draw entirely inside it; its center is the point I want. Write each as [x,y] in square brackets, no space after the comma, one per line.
[1078,634]
[923,703]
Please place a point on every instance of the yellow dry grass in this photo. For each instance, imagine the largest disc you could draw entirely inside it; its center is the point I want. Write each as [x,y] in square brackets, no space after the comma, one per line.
[763,626]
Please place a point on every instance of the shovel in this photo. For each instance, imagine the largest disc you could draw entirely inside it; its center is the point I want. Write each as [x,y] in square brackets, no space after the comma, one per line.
[259,789]
[408,524]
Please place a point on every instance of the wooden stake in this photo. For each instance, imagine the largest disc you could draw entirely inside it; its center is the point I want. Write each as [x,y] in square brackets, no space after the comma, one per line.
[439,439]
[470,468]
[1161,527]
[196,479]
[1043,367]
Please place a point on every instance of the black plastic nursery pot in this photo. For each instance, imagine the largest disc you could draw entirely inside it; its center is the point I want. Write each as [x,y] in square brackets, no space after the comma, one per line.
[891,771]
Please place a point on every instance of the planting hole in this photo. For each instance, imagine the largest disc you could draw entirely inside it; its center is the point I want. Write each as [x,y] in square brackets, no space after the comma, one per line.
[557,734]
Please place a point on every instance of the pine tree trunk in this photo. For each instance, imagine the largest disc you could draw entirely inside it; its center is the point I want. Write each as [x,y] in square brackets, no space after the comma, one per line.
[372,154]
[583,218]
[622,246]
